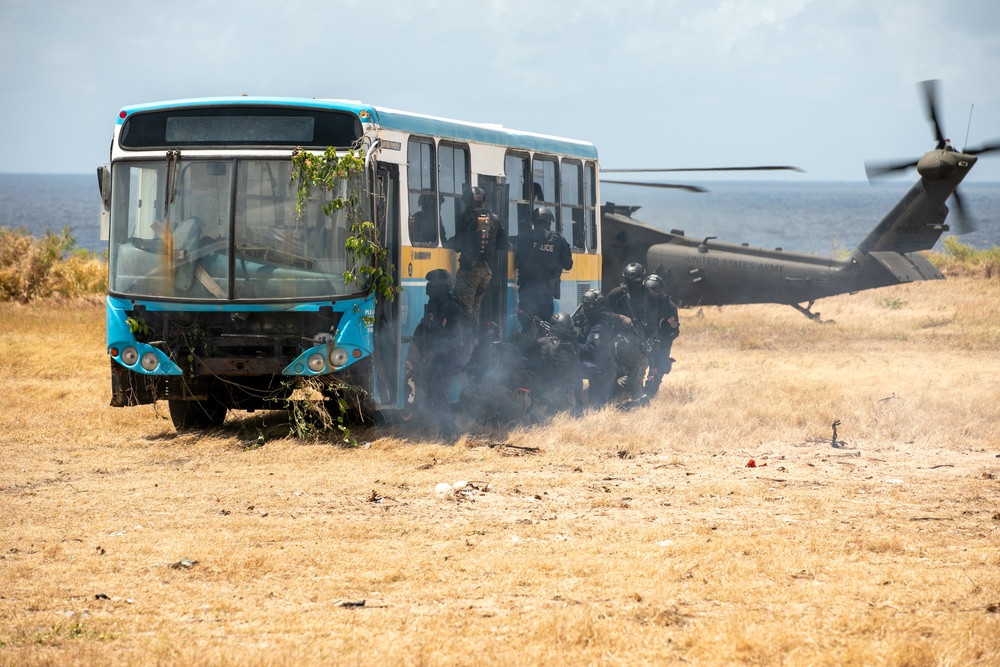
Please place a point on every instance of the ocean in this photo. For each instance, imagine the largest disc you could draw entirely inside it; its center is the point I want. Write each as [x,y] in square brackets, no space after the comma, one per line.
[43,203]
[816,217]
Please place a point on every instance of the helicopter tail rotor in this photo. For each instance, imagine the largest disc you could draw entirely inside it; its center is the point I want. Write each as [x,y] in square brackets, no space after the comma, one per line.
[985,148]
[876,170]
[930,100]
[963,223]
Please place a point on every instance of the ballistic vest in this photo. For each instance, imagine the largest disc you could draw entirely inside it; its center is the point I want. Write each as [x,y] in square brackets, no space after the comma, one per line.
[484,227]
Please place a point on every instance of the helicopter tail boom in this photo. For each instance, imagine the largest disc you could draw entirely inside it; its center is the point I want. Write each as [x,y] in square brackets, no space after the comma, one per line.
[915,223]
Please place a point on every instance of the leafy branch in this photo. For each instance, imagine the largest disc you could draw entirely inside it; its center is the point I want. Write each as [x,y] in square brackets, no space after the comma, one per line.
[311,413]
[139,328]
[335,174]
[372,269]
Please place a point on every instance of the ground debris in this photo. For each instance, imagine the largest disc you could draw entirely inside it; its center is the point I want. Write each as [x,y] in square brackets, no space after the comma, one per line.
[507,449]
[352,604]
[461,489]
[374,497]
[853,453]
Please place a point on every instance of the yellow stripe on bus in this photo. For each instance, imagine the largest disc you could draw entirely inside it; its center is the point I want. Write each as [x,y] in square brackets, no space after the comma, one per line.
[417,262]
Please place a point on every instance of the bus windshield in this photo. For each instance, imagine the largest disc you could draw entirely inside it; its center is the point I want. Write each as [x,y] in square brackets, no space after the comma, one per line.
[227,229]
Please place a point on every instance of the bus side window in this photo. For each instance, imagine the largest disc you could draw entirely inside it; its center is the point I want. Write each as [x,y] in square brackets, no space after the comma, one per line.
[545,183]
[573,229]
[520,198]
[590,205]
[453,179]
[422,192]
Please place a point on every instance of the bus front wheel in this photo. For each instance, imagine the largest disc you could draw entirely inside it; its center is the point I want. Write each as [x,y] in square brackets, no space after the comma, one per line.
[194,415]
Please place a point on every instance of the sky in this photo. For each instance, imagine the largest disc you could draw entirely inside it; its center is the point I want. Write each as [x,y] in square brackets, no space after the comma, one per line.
[819,84]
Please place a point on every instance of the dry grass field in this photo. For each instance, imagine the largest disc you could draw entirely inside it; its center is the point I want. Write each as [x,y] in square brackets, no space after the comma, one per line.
[618,539]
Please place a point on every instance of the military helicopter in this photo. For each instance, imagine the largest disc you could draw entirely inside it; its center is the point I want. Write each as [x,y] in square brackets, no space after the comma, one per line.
[708,272]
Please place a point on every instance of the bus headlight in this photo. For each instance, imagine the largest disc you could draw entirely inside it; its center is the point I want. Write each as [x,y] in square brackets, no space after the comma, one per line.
[316,362]
[130,356]
[150,361]
[338,357]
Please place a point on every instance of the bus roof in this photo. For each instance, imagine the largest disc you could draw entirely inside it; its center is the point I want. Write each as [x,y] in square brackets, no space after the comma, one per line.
[392,119]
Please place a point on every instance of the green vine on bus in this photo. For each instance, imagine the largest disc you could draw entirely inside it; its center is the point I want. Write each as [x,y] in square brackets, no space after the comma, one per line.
[327,172]
[330,172]
[139,328]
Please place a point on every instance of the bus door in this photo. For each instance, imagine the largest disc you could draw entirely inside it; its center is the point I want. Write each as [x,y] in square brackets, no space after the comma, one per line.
[494,308]
[388,363]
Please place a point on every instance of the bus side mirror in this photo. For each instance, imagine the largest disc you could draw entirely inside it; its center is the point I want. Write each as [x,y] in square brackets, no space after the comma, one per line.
[104,185]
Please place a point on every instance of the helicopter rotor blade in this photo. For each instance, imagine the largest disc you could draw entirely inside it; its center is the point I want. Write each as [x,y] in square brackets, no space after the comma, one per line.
[930,97]
[878,169]
[648,184]
[761,168]
[985,148]
[963,222]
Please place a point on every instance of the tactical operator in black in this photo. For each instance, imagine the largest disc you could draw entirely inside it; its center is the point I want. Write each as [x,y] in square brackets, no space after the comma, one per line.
[632,300]
[557,367]
[541,257]
[445,348]
[500,385]
[597,349]
[478,236]
[664,328]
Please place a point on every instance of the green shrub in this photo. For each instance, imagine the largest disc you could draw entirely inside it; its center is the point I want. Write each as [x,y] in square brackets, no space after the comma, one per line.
[33,268]
[959,259]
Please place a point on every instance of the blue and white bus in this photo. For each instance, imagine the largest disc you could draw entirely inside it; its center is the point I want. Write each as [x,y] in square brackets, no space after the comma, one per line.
[220,295]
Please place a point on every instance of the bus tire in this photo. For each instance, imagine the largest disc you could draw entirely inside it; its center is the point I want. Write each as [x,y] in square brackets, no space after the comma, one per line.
[196,415]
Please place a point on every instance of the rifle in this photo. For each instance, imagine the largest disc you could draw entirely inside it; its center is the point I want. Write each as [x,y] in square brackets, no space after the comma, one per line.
[579,322]
[556,283]
[539,323]
[640,328]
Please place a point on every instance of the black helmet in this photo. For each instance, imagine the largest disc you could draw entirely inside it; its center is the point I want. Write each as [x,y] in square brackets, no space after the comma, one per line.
[439,281]
[654,283]
[474,198]
[592,300]
[561,325]
[543,216]
[634,273]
